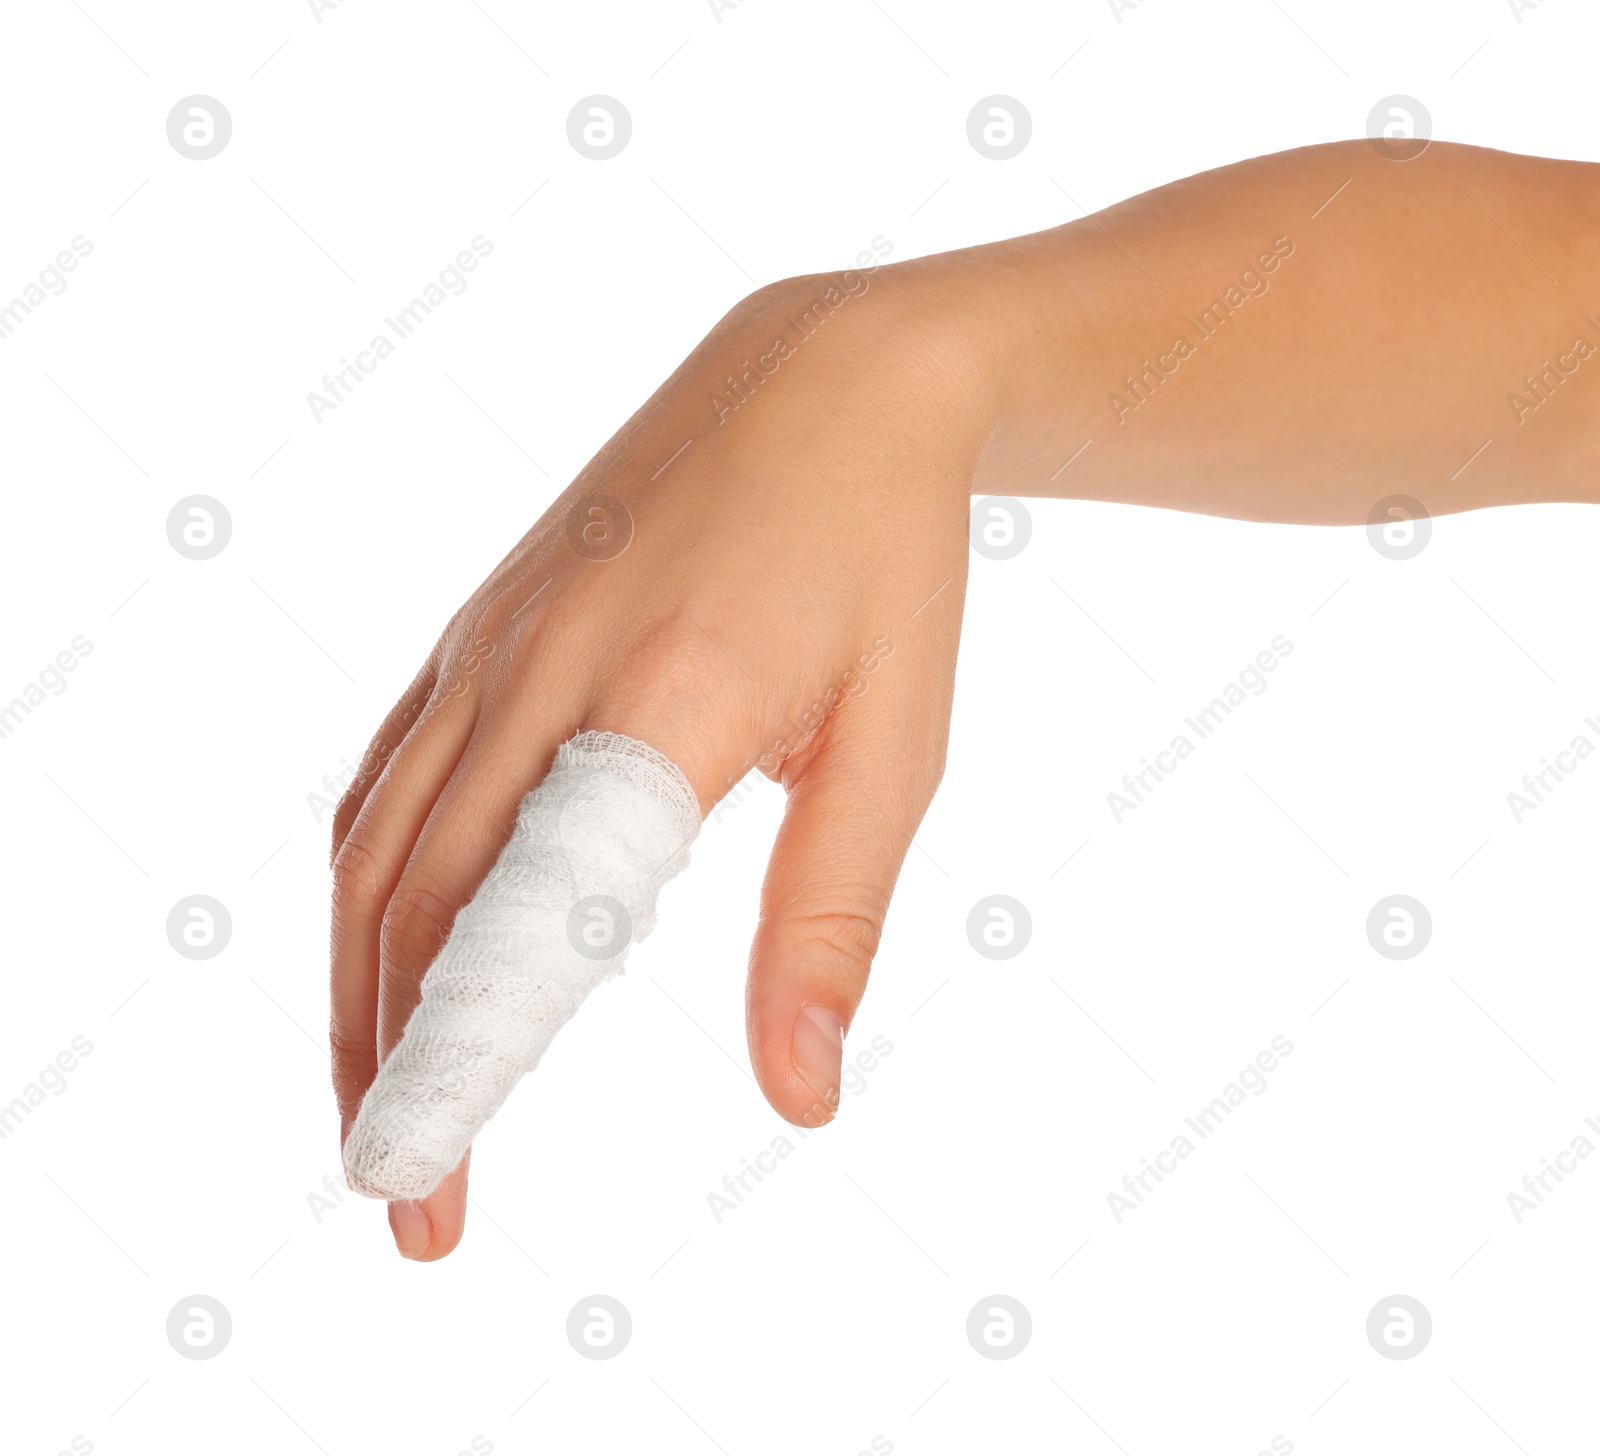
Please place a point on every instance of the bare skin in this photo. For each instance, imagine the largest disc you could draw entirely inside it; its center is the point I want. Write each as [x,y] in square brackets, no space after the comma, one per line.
[790,595]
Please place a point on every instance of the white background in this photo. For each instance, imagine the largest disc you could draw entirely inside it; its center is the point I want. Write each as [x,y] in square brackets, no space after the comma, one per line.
[829,1307]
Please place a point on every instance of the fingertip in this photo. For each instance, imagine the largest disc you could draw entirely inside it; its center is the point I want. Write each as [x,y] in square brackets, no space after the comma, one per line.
[816,1051]
[447,1214]
[427,1229]
[412,1230]
[797,1051]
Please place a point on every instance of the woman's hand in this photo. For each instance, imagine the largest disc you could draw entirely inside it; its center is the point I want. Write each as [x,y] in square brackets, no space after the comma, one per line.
[764,569]
[766,566]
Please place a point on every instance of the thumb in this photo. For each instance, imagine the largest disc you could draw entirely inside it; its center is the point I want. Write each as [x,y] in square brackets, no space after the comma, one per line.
[854,804]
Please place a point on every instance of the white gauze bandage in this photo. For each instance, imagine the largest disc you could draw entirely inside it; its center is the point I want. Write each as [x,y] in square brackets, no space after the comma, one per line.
[575,885]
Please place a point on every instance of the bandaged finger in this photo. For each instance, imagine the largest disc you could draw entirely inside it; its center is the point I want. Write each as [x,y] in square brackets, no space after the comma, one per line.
[574,886]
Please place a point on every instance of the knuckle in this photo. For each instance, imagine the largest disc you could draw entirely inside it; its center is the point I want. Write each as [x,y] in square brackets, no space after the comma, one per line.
[415,925]
[846,932]
[675,663]
[346,810]
[358,880]
[471,663]
[764,302]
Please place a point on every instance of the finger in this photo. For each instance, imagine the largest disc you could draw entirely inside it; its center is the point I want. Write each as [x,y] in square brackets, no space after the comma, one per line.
[468,824]
[464,835]
[366,869]
[402,718]
[575,883]
[854,803]
[429,1228]
[465,832]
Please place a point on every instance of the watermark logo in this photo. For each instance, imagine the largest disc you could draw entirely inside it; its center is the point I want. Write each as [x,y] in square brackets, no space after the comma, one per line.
[999,927]
[1399,128]
[199,527]
[199,927]
[199,1327]
[1399,927]
[599,127]
[999,1327]
[599,1327]
[199,127]
[1399,1327]
[599,528]
[999,527]
[999,127]
[599,928]
[1399,527]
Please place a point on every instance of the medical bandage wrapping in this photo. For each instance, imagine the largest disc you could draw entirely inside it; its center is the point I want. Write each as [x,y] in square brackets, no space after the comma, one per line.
[575,885]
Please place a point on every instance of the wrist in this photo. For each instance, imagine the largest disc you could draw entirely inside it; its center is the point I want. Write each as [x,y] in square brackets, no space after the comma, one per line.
[914,351]
[994,325]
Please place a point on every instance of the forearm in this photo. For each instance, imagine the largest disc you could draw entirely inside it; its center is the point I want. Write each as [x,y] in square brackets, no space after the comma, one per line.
[1299,336]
